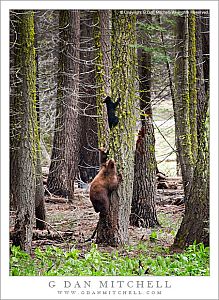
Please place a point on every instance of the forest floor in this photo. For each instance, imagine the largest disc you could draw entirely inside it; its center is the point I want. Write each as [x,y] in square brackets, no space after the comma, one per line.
[71,224]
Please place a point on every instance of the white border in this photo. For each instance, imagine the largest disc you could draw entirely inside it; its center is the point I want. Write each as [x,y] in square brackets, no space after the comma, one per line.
[37,287]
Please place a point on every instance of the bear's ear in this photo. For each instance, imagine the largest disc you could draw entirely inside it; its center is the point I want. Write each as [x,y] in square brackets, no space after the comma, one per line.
[110,164]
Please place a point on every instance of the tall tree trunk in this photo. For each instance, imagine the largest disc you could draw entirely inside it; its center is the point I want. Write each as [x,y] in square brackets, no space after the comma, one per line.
[205,48]
[23,127]
[88,153]
[64,160]
[47,34]
[103,64]
[192,84]
[202,104]
[13,84]
[113,227]
[40,210]
[195,223]
[143,211]
[182,103]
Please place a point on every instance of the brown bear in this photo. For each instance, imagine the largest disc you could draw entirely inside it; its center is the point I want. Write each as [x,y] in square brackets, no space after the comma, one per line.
[102,186]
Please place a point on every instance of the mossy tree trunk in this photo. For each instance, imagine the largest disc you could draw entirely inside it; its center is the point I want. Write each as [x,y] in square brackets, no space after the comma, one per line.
[40,210]
[24,130]
[103,64]
[192,84]
[113,227]
[64,159]
[143,210]
[195,223]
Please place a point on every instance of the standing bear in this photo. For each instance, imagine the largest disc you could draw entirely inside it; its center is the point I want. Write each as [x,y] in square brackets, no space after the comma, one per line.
[102,186]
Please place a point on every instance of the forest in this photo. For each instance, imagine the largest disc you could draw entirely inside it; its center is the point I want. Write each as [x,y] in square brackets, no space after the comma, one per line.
[109,142]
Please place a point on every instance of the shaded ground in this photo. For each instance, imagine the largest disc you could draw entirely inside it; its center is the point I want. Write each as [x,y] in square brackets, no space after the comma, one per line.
[70,224]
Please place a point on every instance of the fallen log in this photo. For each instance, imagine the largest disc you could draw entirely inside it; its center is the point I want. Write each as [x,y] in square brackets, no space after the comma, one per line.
[55,200]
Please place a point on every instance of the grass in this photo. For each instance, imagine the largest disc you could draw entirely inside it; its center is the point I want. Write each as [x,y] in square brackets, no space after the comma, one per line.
[149,257]
[53,261]
[169,220]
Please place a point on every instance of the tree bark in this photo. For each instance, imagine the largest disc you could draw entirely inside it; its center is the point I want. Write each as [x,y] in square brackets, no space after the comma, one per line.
[113,227]
[205,48]
[202,76]
[47,34]
[40,210]
[192,84]
[182,103]
[88,153]
[13,204]
[195,223]
[23,127]
[103,65]
[143,211]
[64,159]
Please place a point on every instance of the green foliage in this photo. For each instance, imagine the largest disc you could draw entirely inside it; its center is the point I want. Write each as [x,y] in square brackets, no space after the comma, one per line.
[157,53]
[194,261]
[150,28]
[153,236]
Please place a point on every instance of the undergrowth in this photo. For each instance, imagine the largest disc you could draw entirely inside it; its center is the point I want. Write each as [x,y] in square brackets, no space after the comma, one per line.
[53,261]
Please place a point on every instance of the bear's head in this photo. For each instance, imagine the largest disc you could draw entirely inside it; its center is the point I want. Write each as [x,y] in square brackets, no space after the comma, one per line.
[107,99]
[111,165]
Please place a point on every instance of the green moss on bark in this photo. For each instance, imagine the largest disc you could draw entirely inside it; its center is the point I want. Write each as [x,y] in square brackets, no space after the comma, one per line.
[192,84]
[122,137]
[25,129]
[100,84]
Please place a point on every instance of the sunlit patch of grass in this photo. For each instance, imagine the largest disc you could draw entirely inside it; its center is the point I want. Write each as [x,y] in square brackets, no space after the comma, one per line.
[166,220]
